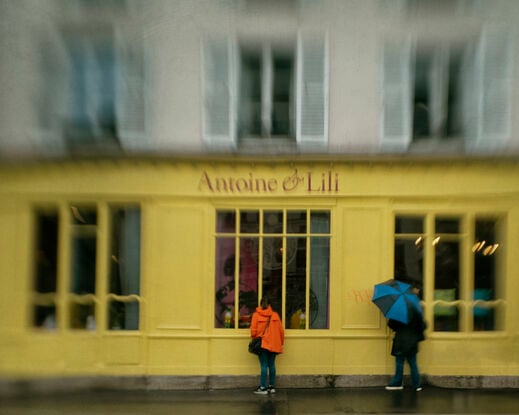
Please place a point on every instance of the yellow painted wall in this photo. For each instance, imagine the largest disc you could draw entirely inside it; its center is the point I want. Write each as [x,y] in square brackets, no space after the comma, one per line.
[177,335]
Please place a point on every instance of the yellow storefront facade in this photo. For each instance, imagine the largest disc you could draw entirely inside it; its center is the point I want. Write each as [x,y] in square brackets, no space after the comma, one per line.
[127,268]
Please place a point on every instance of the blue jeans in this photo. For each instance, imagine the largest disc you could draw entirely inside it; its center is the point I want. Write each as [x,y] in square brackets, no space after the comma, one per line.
[268,366]
[398,379]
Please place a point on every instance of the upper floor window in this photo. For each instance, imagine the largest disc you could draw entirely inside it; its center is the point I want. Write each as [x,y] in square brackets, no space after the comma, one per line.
[73,288]
[92,95]
[454,89]
[464,272]
[92,115]
[437,102]
[266,93]
[282,253]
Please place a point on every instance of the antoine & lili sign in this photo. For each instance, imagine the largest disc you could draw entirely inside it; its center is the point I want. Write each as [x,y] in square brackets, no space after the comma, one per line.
[325,182]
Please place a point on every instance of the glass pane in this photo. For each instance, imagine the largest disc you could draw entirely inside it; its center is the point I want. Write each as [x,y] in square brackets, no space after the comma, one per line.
[296,307]
[125,253]
[408,224]
[446,284]
[45,316]
[409,261]
[272,270]
[447,225]
[283,66]
[273,221]
[46,255]
[225,264]
[84,215]
[319,222]
[249,251]
[249,221]
[82,316]
[83,264]
[296,221]
[226,221]
[319,282]
[486,250]
[123,315]
[249,117]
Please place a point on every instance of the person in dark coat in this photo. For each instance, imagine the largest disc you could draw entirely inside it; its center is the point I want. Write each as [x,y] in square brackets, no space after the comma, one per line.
[405,347]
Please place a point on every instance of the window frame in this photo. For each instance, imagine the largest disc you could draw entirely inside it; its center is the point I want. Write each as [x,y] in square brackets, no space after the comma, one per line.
[465,301]
[266,52]
[64,297]
[220,60]
[261,234]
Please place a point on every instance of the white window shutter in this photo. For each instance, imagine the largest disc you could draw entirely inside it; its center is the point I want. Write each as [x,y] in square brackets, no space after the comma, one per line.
[93,83]
[495,57]
[396,95]
[52,101]
[220,93]
[470,95]
[130,91]
[439,81]
[312,91]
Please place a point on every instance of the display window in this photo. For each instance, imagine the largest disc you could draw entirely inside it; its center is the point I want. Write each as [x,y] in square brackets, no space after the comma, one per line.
[77,283]
[457,258]
[281,253]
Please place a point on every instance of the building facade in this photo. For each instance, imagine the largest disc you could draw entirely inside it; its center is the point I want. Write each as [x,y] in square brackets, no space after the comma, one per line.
[176,160]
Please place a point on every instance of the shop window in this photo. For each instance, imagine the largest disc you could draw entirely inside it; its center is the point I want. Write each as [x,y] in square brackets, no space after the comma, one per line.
[409,240]
[281,253]
[45,268]
[447,260]
[486,311]
[443,241]
[74,300]
[124,277]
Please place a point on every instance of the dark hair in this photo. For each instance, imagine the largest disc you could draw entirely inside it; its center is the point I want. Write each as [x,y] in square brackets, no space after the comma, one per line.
[265,302]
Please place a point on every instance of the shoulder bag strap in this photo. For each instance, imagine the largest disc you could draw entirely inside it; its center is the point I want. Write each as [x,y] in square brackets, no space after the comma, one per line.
[266,327]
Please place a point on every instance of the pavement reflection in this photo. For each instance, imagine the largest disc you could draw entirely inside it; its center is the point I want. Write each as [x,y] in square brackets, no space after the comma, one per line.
[285,402]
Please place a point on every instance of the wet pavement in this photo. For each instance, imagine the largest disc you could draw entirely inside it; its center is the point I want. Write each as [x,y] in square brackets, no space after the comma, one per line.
[285,402]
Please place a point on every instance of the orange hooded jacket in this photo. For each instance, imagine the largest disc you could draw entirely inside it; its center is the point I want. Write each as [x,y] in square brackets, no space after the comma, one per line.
[274,336]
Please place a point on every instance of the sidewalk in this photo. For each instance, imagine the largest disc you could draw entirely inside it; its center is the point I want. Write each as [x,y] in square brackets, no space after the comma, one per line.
[285,402]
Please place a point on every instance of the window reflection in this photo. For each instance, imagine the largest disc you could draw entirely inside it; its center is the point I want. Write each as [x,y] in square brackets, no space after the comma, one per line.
[486,250]
[125,268]
[83,264]
[446,285]
[46,254]
[225,264]
[249,222]
[319,282]
[409,240]
[273,222]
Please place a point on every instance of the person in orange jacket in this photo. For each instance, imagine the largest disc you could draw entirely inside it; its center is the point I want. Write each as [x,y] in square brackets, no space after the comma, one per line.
[267,324]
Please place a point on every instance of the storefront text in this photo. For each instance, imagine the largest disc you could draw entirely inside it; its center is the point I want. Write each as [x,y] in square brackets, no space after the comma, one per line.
[324,183]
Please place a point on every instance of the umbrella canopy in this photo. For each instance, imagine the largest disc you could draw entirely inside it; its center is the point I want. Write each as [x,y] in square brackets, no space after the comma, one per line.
[396,300]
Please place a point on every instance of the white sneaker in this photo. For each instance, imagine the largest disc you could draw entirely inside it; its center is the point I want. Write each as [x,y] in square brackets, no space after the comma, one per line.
[394,387]
[261,391]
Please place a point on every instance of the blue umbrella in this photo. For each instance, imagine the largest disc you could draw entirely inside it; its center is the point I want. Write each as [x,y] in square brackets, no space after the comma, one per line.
[396,300]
